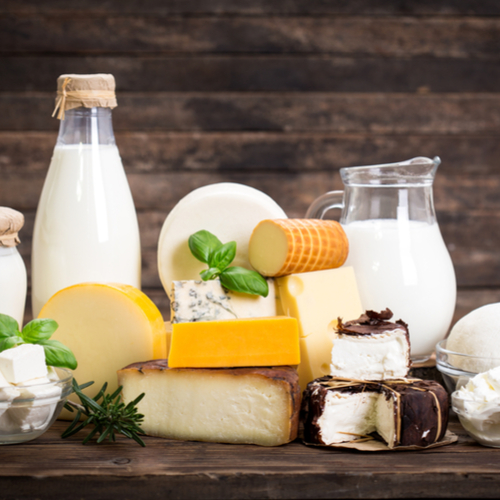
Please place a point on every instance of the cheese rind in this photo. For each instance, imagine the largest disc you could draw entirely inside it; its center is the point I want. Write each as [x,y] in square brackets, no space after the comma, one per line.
[107,326]
[195,300]
[407,412]
[238,342]
[242,405]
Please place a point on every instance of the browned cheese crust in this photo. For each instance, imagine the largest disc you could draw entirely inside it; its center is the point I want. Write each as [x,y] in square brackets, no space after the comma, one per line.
[418,405]
[285,375]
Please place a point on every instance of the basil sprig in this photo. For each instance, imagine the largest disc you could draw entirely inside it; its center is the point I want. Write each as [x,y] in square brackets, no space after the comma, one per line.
[38,332]
[207,248]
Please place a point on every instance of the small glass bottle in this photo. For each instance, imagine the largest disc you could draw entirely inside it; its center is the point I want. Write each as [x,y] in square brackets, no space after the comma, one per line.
[13,280]
[86,226]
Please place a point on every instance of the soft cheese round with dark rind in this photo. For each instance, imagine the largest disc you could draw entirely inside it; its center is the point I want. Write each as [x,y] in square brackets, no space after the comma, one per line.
[422,414]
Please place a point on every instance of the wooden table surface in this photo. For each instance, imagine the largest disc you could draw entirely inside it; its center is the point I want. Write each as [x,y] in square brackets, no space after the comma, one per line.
[50,467]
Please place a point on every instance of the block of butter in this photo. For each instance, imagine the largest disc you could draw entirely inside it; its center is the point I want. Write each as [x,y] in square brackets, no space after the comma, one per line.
[315,299]
[270,341]
[241,405]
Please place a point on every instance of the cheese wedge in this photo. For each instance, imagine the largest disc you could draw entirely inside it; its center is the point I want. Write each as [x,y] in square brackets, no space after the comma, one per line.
[315,299]
[107,326]
[235,342]
[242,405]
[286,246]
[196,300]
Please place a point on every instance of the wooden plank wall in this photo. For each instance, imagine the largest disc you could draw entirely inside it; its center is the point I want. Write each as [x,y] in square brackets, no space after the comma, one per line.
[276,94]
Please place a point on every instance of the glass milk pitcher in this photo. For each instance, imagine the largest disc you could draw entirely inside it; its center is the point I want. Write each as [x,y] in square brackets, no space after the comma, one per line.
[395,246]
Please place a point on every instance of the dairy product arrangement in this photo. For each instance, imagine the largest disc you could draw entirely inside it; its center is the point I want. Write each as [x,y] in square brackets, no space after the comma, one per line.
[263,307]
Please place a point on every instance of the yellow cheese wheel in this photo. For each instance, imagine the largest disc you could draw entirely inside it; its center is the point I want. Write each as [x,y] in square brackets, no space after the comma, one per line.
[107,326]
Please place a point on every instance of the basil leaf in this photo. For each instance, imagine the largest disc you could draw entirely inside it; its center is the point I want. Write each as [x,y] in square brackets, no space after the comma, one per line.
[39,329]
[243,280]
[57,354]
[9,342]
[210,274]
[224,255]
[8,326]
[203,244]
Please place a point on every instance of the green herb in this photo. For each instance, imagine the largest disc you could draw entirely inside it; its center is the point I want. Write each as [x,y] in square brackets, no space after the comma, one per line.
[207,248]
[108,417]
[38,332]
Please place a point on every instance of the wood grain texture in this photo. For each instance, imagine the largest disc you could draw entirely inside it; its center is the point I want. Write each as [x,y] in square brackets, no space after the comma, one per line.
[223,153]
[381,37]
[340,113]
[256,7]
[188,470]
[291,72]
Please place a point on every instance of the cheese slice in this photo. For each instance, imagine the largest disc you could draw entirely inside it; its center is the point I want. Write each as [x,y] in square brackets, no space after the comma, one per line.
[107,326]
[242,405]
[195,300]
[228,210]
[315,299]
[235,342]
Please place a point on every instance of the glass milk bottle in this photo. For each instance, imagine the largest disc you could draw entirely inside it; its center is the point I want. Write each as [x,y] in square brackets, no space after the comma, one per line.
[395,246]
[13,281]
[86,226]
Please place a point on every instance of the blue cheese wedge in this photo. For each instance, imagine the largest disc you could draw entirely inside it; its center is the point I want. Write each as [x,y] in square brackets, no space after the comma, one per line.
[192,300]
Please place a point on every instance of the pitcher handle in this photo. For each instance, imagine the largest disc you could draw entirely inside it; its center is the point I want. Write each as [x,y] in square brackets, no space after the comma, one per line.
[327,201]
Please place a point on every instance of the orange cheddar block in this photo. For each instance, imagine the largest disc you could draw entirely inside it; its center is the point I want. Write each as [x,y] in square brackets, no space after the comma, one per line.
[270,341]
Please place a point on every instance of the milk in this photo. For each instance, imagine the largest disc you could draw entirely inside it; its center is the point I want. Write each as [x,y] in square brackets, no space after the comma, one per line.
[13,284]
[86,226]
[404,265]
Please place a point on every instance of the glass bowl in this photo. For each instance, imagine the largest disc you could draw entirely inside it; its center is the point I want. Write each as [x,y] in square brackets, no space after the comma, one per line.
[481,420]
[457,368]
[27,411]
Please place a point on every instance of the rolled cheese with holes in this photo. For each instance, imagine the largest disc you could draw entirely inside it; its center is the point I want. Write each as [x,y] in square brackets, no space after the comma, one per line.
[241,405]
[228,210]
[107,326]
[402,412]
[286,246]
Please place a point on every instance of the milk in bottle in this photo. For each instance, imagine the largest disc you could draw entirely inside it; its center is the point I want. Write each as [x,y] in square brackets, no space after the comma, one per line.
[86,226]
[13,280]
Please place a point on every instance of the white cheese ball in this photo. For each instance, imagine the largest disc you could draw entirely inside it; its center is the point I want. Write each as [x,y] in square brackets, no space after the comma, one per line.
[477,334]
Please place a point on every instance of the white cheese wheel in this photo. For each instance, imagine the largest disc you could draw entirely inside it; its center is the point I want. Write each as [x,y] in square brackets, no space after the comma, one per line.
[477,334]
[228,210]
[107,326]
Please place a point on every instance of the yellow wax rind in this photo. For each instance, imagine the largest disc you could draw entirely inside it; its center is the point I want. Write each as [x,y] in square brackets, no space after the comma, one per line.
[270,341]
[107,326]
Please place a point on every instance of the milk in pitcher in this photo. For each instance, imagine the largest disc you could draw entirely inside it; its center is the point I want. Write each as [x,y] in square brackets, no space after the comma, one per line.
[407,269]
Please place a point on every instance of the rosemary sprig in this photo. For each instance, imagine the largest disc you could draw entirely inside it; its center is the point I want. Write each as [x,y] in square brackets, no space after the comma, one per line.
[108,417]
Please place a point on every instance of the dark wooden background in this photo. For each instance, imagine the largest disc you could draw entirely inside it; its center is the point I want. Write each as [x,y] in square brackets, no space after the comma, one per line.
[276,94]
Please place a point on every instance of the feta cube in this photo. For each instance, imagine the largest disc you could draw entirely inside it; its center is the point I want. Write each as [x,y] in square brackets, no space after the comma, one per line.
[23,363]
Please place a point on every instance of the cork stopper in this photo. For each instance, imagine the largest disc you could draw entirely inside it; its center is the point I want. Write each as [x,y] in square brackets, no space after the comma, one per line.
[11,222]
[89,91]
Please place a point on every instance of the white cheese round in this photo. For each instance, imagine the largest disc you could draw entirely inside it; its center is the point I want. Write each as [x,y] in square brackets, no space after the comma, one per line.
[477,334]
[228,210]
